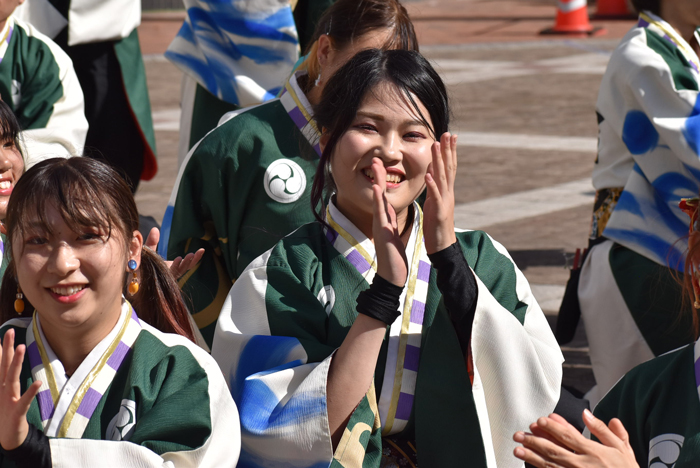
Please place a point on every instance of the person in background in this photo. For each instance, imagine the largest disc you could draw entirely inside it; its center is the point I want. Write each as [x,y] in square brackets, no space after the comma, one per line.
[87,377]
[39,84]
[379,335]
[247,183]
[648,158]
[652,413]
[100,37]
[11,169]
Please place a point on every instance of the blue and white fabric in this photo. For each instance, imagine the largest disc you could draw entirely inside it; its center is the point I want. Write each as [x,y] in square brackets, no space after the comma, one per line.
[241,51]
[649,140]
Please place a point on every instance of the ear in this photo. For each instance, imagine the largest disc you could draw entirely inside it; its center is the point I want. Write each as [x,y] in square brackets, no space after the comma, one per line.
[135,247]
[323,141]
[324,51]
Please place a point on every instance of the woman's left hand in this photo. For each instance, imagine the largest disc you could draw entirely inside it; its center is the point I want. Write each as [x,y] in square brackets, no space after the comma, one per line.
[439,207]
[556,443]
[13,405]
[179,266]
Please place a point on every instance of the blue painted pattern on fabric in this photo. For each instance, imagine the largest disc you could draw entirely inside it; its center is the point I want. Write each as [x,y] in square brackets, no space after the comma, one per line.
[691,129]
[627,202]
[656,244]
[638,133]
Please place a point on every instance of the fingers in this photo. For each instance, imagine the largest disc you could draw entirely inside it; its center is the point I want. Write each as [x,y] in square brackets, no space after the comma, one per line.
[153,239]
[563,433]
[379,173]
[16,366]
[26,400]
[619,430]
[8,344]
[601,431]
[540,452]
[379,207]
[180,265]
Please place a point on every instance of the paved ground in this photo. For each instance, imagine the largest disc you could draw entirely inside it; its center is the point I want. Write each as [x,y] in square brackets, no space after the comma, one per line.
[523,105]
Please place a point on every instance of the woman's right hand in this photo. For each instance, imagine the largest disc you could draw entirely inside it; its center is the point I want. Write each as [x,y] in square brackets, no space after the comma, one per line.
[556,443]
[13,406]
[392,264]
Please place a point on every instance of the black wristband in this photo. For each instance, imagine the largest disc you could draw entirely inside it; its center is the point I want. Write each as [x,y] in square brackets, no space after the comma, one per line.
[380,301]
[35,451]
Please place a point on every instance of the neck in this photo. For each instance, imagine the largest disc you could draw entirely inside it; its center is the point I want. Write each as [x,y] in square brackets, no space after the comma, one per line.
[72,345]
[678,19]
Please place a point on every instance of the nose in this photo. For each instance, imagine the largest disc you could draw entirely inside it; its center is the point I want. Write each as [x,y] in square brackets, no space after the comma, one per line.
[62,260]
[389,150]
[5,162]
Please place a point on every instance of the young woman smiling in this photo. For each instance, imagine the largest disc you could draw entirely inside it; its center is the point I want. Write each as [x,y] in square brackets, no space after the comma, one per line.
[99,379]
[380,334]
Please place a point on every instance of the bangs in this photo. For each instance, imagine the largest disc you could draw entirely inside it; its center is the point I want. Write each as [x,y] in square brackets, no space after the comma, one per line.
[69,191]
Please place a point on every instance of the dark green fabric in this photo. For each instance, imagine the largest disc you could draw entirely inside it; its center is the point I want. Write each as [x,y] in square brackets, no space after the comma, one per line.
[655,398]
[161,380]
[653,296]
[444,421]
[30,62]
[680,67]
[222,205]
[133,71]
[206,112]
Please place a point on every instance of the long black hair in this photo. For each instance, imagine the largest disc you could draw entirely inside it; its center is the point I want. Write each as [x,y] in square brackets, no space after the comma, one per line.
[9,127]
[653,6]
[88,193]
[408,71]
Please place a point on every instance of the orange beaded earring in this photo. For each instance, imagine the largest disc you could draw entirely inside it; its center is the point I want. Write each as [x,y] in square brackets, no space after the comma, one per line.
[19,301]
[134,285]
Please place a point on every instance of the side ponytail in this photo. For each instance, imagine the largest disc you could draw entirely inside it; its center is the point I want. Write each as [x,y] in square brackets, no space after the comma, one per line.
[159,299]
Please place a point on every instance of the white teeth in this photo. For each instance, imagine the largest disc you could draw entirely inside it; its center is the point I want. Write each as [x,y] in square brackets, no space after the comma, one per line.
[67,291]
[392,178]
[5,184]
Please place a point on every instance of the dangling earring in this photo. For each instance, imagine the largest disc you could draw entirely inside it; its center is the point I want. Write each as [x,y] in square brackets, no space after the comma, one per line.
[134,285]
[19,301]
[318,80]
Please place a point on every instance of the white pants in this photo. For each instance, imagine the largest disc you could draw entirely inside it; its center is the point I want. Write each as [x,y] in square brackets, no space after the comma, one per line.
[615,343]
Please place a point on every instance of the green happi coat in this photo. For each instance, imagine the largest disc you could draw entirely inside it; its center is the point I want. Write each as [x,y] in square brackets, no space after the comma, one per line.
[659,405]
[38,82]
[151,400]
[241,189]
[293,306]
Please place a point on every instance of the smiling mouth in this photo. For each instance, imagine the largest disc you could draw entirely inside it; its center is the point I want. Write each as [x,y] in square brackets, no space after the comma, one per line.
[5,184]
[67,290]
[392,178]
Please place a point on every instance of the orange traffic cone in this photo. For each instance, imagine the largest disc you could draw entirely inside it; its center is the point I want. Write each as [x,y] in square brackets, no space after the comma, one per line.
[572,18]
[618,9]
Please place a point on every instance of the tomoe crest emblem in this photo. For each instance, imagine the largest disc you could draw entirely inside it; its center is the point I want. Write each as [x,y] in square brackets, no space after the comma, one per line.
[285,181]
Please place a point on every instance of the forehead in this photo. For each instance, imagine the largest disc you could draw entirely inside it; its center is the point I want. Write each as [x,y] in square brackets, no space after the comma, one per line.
[387,100]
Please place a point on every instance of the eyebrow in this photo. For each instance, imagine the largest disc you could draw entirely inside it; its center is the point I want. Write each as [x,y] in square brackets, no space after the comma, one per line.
[381,118]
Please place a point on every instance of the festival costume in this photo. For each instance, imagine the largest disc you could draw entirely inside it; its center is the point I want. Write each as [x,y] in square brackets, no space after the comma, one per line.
[140,398]
[38,82]
[293,306]
[233,54]
[659,402]
[101,38]
[241,189]
[649,140]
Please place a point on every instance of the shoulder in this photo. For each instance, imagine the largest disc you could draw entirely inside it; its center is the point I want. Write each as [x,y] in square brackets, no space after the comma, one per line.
[157,346]
[298,250]
[649,384]
[481,244]
[266,116]
[33,42]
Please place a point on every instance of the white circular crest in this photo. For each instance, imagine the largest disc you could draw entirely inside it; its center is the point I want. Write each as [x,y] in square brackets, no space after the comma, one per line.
[326,296]
[664,450]
[284,181]
[123,423]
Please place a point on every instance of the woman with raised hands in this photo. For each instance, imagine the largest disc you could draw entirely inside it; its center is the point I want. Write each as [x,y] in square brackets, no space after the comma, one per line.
[87,379]
[379,335]
[247,183]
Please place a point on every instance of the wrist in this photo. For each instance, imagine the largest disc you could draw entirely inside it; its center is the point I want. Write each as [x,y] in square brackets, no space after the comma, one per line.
[380,301]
